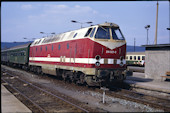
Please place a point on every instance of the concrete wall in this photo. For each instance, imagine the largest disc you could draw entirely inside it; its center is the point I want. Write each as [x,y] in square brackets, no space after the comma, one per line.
[157,63]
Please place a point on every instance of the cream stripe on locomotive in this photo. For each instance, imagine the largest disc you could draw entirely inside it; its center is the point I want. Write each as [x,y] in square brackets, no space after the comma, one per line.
[77,60]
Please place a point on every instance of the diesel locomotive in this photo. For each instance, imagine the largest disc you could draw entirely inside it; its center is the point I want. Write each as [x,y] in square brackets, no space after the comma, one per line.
[92,55]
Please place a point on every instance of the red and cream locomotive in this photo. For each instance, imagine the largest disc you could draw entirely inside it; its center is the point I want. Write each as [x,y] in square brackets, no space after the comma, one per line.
[94,55]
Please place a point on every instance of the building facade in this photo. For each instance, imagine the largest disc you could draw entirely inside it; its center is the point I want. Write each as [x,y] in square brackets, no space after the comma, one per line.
[157,61]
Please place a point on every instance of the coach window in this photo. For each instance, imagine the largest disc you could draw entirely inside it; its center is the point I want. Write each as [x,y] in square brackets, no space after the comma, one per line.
[41,48]
[130,57]
[134,57]
[59,47]
[88,32]
[138,57]
[126,57]
[92,33]
[36,48]
[143,57]
[46,48]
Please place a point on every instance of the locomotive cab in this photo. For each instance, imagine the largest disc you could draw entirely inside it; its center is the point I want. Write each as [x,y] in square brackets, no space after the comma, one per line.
[108,33]
[109,52]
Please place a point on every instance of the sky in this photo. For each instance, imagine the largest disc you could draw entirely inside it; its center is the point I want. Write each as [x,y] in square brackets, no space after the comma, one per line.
[21,20]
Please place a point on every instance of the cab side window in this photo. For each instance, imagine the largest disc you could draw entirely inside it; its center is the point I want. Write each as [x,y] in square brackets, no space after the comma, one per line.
[88,32]
[92,33]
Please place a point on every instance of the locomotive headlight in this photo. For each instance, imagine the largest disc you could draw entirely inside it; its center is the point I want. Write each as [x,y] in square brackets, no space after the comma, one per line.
[98,57]
[97,63]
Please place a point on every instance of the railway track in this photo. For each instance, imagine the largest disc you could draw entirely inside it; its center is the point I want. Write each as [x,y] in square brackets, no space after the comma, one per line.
[155,102]
[41,100]
[152,101]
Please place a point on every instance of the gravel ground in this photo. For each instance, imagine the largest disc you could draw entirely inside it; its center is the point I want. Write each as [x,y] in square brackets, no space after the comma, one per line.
[90,98]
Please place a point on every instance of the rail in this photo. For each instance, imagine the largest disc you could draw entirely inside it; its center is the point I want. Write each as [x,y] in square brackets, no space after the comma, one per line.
[152,101]
[24,96]
[49,93]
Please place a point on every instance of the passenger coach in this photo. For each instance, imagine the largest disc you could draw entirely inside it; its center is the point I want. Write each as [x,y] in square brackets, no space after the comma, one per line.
[135,58]
[16,56]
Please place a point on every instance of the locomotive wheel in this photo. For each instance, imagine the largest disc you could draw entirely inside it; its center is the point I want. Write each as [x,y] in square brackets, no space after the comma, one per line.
[66,76]
[121,77]
[35,70]
[81,79]
[39,70]
[73,78]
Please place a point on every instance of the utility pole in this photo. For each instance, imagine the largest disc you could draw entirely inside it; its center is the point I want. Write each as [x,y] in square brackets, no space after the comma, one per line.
[134,44]
[147,28]
[169,22]
[156,24]
[147,36]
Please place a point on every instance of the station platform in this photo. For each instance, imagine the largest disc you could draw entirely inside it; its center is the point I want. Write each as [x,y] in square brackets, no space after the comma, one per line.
[10,104]
[138,80]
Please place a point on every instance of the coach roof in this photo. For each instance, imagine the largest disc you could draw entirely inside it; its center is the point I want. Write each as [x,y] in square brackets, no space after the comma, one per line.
[17,47]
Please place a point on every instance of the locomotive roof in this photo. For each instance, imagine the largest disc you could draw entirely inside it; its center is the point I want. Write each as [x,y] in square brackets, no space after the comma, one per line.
[17,47]
[70,34]
[109,24]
